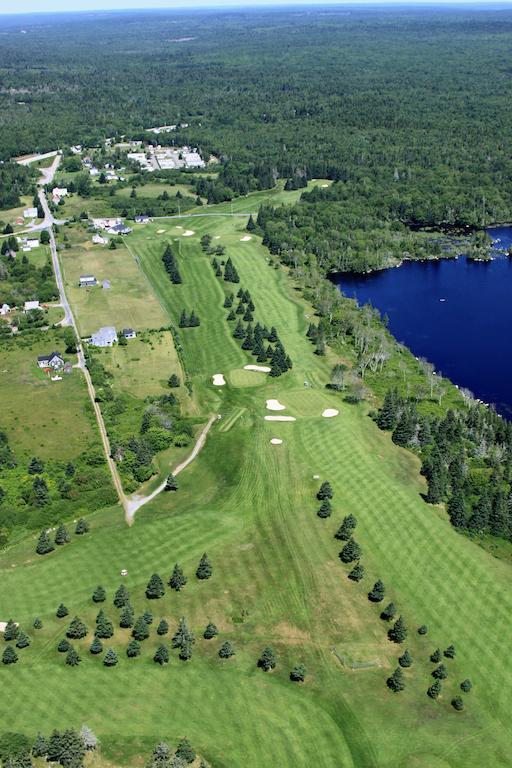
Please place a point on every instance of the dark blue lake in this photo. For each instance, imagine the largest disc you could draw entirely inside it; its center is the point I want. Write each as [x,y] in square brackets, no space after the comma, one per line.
[455,313]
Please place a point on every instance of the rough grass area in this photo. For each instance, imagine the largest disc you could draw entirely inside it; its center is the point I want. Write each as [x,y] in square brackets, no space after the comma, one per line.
[144,365]
[277,577]
[48,418]
[129,302]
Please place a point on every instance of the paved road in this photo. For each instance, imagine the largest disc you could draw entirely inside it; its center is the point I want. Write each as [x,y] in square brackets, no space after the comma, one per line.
[200,215]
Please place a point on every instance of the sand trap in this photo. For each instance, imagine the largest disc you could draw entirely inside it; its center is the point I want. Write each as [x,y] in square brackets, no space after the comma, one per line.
[178,226]
[329,413]
[188,233]
[262,368]
[324,185]
[160,231]
[217,237]
[276,441]
[219,380]
[280,418]
[275,405]
[245,238]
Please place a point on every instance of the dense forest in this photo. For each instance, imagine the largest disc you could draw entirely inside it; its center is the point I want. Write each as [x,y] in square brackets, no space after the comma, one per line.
[411,109]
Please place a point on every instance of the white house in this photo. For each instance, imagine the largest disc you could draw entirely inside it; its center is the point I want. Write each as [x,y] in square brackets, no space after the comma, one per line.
[193,160]
[30,213]
[31,305]
[53,360]
[87,281]
[99,240]
[5,309]
[105,337]
[119,229]
[60,192]
[129,333]
[106,223]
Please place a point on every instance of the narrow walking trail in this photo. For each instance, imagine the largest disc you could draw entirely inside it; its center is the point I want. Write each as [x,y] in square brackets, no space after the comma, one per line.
[135,502]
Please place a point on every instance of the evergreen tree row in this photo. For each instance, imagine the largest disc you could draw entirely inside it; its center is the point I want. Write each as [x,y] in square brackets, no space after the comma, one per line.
[171,265]
[189,321]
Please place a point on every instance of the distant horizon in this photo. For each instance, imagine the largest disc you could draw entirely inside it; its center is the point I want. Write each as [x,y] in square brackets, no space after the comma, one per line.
[25,7]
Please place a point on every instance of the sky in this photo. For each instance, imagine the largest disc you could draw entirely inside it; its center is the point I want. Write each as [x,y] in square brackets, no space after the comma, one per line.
[31,6]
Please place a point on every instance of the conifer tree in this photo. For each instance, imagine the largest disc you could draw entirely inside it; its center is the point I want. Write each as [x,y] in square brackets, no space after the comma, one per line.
[346,528]
[397,681]
[325,491]
[126,616]
[458,703]
[183,635]
[210,632]
[140,630]
[38,624]
[398,631]
[173,381]
[9,655]
[72,658]
[389,612]
[171,484]
[466,685]
[11,631]
[204,569]
[104,627]
[388,413]
[357,572]
[251,226]
[185,751]
[457,509]
[96,646]
[82,526]
[298,673]
[63,646]
[435,657]
[133,649]
[449,653]
[61,536]
[121,597]
[62,611]
[35,467]
[440,672]
[40,747]
[405,659]
[226,650]
[377,592]
[99,595]
[231,316]
[423,629]
[325,509]
[161,655]
[110,659]
[185,653]
[155,588]
[23,640]
[267,660]
[77,629]
[163,627]
[178,578]
[350,552]
[434,690]
[44,544]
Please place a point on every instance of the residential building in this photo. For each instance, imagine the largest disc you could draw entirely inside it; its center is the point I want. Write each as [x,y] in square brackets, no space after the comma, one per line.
[5,309]
[60,192]
[30,213]
[87,281]
[31,305]
[129,333]
[53,360]
[99,240]
[104,337]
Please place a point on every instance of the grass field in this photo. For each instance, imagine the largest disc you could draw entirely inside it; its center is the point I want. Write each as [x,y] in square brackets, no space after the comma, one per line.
[129,302]
[41,416]
[143,367]
[277,578]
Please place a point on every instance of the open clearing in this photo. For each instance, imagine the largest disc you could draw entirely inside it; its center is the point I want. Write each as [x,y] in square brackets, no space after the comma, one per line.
[128,303]
[144,365]
[277,577]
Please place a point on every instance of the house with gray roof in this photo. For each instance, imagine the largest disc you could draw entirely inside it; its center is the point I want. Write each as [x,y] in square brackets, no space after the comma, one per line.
[105,337]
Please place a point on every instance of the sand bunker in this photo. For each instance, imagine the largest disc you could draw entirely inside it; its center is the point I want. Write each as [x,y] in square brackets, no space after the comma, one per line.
[280,418]
[218,380]
[275,405]
[276,441]
[262,368]
[325,185]
[245,238]
[217,237]
[329,413]
[160,231]
[188,233]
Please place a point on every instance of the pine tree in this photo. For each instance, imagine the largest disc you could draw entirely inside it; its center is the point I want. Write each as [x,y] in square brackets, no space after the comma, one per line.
[449,653]
[178,578]
[148,617]
[398,632]
[357,572]
[185,653]
[61,536]
[267,660]
[251,226]
[204,569]
[35,467]
[77,629]
[89,738]
[434,690]
[346,528]
[183,635]
[405,659]
[440,672]
[96,646]
[44,544]
[325,509]
[423,629]
[226,650]
[350,552]
[397,681]
[99,595]
[183,321]
[104,627]
[63,646]
[82,527]
[325,491]
[388,413]
[11,631]
[239,332]
[38,624]
[466,685]
[231,316]
[72,658]
[40,747]
[140,630]
[210,632]
[171,484]
[185,752]
[23,640]
[405,428]
[435,657]
[133,649]
[173,381]
[298,673]
[9,655]
[377,592]
[457,703]
[456,509]
[62,611]
[126,616]
[121,597]
[161,655]
[389,612]
[41,495]
[155,588]
[228,301]
[162,628]
[110,659]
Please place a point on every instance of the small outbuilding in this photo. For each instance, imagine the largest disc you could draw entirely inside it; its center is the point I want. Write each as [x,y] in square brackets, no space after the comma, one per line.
[105,337]
[5,309]
[87,281]
[99,240]
[129,333]
[29,306]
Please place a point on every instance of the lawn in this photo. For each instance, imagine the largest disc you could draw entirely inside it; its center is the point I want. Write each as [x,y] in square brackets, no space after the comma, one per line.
[144,365]
[277,578]
[129,302]
[43,417]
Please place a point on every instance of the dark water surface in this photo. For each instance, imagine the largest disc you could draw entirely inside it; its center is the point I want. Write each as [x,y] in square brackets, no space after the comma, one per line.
[456,313]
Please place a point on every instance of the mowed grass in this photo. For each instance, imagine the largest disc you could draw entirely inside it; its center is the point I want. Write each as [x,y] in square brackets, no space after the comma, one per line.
[277,577]
[50,419]
[129,302]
